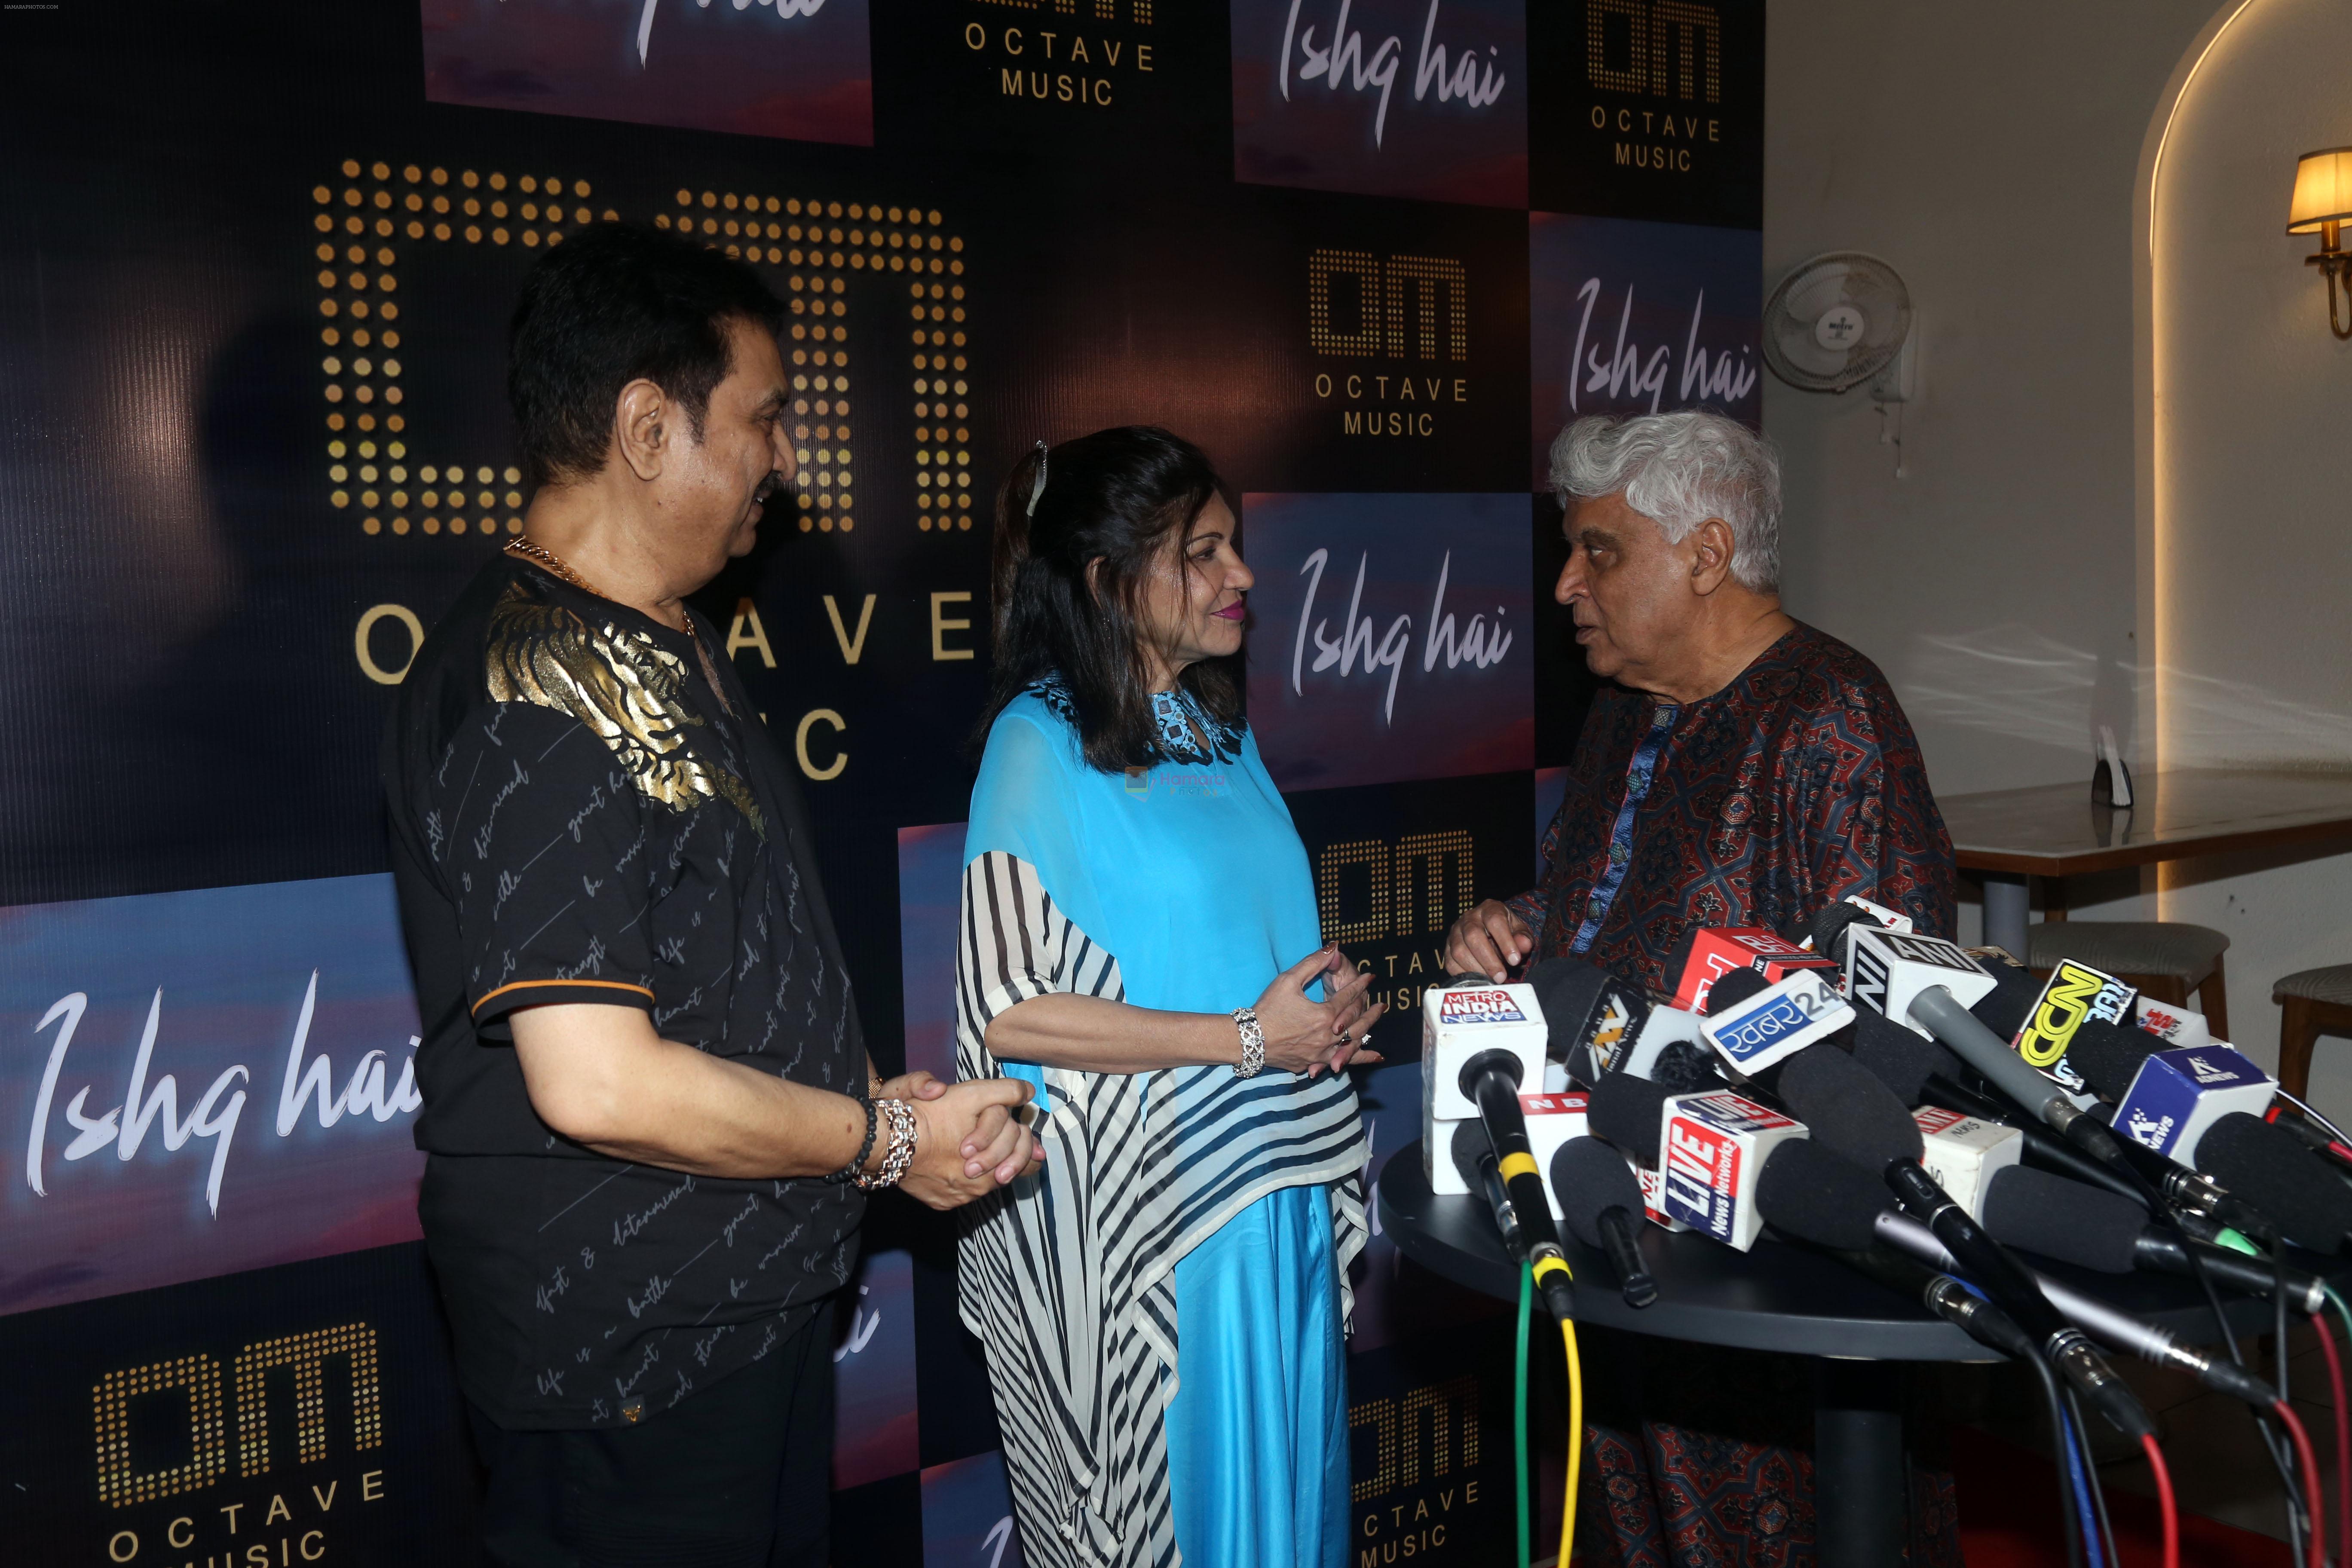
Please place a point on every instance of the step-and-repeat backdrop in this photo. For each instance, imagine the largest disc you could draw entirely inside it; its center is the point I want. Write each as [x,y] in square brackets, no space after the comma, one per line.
[256,261]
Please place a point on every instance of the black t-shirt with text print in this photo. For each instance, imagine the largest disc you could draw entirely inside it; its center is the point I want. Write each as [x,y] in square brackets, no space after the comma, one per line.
[577,817]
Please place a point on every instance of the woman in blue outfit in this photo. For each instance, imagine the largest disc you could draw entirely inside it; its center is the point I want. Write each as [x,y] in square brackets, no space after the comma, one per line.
[1163,1302]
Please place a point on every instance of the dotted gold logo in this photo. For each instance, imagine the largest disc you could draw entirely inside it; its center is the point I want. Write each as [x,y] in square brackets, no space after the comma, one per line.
[1667,56]
[196,1382]
[1352,911]
[1409,309]
[374,217]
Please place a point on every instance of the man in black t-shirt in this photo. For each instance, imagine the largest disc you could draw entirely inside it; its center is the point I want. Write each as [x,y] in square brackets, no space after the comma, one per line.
[649,1116]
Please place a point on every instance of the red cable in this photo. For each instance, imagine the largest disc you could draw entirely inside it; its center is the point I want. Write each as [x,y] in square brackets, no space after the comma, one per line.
[2164,1500]
[2310,1481]
[2343,1433]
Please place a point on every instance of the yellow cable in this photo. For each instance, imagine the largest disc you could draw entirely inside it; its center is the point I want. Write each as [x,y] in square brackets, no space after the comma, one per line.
[1575,1446]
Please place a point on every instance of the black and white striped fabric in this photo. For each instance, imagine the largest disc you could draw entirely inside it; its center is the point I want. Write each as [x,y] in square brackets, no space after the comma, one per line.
[1070,1278]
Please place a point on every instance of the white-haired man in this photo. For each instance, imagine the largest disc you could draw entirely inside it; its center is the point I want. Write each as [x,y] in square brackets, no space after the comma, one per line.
[1738,768]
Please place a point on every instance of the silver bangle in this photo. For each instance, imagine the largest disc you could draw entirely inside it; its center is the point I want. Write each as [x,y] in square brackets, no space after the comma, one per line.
[1253,1061]
[902,1146]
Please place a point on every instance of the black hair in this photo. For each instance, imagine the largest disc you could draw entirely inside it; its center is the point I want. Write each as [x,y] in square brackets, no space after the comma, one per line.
[1121,497]
[614,303]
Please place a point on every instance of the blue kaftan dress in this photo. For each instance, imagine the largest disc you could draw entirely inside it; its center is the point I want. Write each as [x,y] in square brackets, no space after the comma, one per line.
[1162,1303]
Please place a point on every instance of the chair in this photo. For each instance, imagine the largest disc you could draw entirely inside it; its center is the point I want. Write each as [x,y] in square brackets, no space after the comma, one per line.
[2165,959]
[2312,1003]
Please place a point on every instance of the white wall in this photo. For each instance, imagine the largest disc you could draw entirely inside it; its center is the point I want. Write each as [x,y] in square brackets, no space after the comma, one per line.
[2252,486]
[1993,153]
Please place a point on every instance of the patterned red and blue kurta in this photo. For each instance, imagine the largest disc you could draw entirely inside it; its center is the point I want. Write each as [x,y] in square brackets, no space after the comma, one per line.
[1795,785]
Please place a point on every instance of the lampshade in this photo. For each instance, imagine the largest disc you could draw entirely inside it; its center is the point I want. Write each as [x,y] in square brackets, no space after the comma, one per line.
[2323,190]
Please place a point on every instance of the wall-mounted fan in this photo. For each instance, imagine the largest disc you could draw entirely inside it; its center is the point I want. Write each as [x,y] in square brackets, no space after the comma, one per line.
[1838,321]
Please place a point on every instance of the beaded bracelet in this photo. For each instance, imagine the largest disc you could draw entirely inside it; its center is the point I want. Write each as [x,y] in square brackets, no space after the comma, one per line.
[858,1163]
[903,1128]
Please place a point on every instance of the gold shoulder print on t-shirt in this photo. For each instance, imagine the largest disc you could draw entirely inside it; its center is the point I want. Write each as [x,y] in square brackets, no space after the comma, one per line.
[621,685]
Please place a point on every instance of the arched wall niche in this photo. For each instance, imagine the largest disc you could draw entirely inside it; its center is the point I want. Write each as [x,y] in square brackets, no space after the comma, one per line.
[2244,408]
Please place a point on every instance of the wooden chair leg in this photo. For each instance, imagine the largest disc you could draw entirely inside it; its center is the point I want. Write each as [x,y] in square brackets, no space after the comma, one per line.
[2215,1000]
[2167,988]
[2298,1032]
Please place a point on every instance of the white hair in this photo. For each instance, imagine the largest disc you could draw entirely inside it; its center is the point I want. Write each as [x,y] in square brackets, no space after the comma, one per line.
[1678,470]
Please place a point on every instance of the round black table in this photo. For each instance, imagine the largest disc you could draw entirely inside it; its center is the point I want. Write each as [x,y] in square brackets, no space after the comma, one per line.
[1781,1297]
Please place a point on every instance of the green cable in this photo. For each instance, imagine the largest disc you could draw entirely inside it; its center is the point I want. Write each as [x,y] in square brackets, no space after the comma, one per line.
[1519,1409]
[2342,1312]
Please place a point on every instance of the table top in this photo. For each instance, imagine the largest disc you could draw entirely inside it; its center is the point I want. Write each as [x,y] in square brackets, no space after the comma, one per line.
[1774,1298]
[2055,830]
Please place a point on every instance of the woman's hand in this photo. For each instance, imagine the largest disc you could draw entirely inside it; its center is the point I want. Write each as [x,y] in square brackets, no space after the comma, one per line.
[1303,1035]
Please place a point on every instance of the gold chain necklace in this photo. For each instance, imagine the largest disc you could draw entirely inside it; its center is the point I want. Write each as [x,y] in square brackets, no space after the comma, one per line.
[539,554]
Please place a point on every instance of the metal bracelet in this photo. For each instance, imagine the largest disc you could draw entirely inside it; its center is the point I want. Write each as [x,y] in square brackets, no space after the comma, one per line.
[1253,1061]
[902,1146]
[857,1160]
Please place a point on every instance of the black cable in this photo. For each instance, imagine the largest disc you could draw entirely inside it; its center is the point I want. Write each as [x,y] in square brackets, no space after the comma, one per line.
[2274,1442]
[2059,1441]
[2295,1507]
[2098,1488]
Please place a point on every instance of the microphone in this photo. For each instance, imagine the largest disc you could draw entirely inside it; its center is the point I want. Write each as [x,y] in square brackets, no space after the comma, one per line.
[1706,955]
[1708,1149]
[1819,1196]
[2015,993]
[1921,1072]
[2076,997]
[1938,1011]
[1756,1025]
[2270,1168]
[2155,1345]
[1684,1068]
[1473,1159]
[2110,1057]
[1824,1199]
[2170,1094]
[1854,1114]
[1593,1018]
[1966,1155]
[2094,1229]
[1460,1019]
[1599,1196]
[1490,1081]
[1828,930]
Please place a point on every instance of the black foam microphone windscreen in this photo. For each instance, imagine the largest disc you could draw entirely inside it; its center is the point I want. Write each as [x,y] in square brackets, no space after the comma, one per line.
[1832,921]
[2003,1008]
[1848,1109]
[1627,1110]
[1470,1144]
[1901,1059]
[2109,1055]
[2066,1220]
[2268,1168]
[1816,1195]
[1733,989]
[1566,989]
[1589,1176]
[1682,1067]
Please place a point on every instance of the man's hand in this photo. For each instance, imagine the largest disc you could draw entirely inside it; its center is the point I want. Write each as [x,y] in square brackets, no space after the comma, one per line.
[1489,940]
[968,1142]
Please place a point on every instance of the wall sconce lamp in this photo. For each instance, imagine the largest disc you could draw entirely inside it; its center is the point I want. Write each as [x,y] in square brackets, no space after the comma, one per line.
[2322,205]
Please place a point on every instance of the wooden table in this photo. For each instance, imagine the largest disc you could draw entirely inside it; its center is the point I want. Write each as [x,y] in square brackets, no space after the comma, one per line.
[2054,831]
